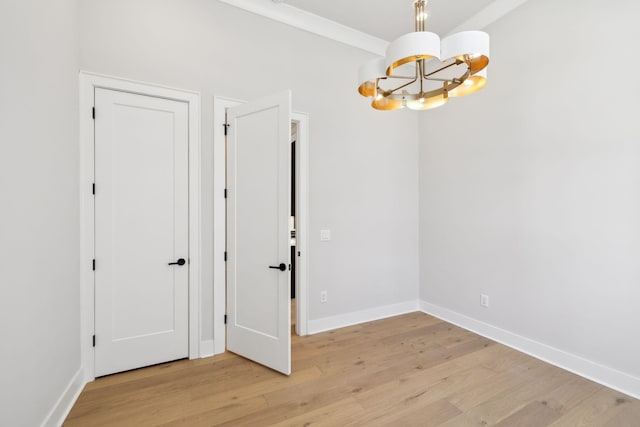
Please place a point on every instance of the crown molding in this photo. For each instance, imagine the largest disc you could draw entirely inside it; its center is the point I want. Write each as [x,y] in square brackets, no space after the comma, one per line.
[488,15]
[312,23]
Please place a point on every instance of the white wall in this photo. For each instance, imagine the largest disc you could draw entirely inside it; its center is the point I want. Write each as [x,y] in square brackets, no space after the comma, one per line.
[363,163]
[530,190]
[39,305]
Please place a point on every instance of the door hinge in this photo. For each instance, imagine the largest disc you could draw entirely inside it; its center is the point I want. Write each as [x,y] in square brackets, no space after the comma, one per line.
[225,193]
[225,256]
[94,340]
[93,264]
[225,319]
[226,128]
[93,188]
[93,113]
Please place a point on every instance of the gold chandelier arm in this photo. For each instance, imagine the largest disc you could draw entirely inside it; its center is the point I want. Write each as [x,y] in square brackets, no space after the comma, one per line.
[452,81]
[414,78]
[457,62]
[391,91]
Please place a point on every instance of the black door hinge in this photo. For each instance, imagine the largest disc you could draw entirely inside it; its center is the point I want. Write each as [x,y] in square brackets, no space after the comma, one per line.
[225,256]
[93,189]
[94,340]
[226,128]
[93,113]
[225,193]
[93,264]
[225,319]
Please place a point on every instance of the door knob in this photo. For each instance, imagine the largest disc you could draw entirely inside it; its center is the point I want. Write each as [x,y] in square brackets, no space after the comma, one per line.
[281,267]
[181,261]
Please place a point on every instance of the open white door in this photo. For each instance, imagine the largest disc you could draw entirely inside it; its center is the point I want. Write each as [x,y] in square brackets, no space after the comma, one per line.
[258,251]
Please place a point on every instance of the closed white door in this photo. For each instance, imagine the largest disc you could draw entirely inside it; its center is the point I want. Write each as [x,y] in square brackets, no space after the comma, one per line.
[258,211]
[141,231]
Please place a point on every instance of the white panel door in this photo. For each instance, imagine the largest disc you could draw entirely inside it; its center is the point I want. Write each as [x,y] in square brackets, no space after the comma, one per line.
[141,226]
[258,210]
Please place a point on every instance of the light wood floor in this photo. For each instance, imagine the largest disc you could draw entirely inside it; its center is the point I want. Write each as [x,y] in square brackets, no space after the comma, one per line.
[411,370]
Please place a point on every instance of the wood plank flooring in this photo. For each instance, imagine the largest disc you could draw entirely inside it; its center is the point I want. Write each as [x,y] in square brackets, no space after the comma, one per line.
[410,370]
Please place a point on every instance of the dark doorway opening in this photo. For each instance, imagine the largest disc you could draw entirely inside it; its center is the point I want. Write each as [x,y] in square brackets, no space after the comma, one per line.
[293,219]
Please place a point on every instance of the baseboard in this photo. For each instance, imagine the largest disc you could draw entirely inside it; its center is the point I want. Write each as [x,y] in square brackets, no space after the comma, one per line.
[63,406]
[377,313]
[207,348]
[593,371]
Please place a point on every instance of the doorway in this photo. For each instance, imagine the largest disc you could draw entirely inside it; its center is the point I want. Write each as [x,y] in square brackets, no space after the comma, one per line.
[90,84]
[296,251]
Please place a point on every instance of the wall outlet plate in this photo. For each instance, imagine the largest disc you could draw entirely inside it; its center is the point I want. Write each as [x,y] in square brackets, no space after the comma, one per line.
[484,300]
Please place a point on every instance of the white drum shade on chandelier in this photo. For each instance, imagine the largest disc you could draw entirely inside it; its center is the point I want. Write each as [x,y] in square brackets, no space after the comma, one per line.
[413,75]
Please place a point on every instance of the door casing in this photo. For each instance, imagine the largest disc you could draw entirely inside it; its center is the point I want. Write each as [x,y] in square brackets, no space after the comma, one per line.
[219,219]
[88,83]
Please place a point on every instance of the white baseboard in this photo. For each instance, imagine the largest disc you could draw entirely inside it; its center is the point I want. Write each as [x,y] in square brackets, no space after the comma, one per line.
[377,313]
[593,371]
[63,406]
[206,348]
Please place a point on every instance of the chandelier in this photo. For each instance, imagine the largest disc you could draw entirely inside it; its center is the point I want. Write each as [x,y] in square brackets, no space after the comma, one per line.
[412,74]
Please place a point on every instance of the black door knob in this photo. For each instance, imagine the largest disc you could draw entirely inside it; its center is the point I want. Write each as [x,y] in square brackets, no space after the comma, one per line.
[181,261]
[281,267]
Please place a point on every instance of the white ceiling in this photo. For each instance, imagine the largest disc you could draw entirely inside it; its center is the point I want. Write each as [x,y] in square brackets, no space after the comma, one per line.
[389,19]
[371,24]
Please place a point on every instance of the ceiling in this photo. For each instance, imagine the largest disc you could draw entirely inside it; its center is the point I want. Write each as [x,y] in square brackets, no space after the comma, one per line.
[389,19]
[371,24]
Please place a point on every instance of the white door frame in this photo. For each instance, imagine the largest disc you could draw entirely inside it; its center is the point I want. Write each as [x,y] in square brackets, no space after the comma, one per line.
[220,105]
[88,83]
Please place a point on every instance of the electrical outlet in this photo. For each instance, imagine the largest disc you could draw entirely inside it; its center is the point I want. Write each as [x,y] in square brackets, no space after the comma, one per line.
[323,296]
[484,300]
